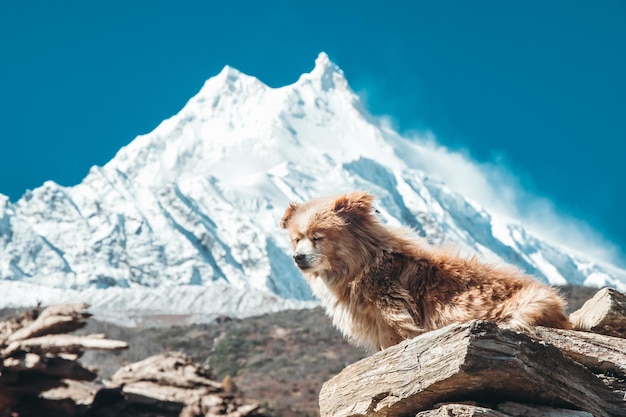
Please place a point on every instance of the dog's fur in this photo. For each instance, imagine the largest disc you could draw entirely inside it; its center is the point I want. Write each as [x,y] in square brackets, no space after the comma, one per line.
[381,286]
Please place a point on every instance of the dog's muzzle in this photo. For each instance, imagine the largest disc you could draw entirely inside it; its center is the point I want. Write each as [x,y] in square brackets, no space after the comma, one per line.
[301,260]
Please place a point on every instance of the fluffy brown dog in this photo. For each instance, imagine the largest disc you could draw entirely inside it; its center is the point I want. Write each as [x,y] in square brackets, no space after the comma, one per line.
[381,286]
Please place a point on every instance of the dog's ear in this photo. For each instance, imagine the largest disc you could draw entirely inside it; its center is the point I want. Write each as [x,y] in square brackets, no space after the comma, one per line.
[288,214]
[357,202]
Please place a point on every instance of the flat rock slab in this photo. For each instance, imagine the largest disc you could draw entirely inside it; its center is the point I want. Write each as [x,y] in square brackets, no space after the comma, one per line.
[598,352]
[471,361]
[460,410]
[507,409]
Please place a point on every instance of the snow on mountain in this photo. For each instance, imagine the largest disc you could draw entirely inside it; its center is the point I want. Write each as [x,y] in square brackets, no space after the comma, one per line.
[184,220]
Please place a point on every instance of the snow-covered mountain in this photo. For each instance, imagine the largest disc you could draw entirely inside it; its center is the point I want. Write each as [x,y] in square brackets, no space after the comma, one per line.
[185,219]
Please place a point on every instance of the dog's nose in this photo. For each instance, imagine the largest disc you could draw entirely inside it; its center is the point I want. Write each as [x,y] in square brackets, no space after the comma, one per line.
[299,258]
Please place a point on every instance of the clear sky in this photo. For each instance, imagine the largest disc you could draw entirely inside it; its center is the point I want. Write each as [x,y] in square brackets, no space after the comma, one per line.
[538,87]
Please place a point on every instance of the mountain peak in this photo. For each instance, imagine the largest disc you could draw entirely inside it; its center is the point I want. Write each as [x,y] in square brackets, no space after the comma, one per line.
[323,63]
[229,74]
[326,73]
[230,81]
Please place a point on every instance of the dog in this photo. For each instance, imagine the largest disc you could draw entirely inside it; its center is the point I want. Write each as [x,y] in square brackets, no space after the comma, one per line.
[382,285]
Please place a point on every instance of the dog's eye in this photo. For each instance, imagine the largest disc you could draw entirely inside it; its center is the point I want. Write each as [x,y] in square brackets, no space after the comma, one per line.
[317,238]
[296,239]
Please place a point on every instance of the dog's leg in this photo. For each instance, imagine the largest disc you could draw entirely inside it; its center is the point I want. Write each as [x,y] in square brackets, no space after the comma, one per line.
[399,318]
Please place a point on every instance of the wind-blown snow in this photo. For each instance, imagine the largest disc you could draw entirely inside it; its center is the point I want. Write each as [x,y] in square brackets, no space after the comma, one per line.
[185,219]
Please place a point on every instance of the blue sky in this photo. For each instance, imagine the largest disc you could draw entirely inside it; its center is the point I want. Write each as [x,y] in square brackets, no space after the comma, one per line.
[535,87]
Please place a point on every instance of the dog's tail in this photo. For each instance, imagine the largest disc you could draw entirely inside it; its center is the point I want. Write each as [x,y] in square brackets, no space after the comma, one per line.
[537,305]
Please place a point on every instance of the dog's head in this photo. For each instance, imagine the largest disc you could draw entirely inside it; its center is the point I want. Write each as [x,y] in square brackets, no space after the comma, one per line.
[325,232]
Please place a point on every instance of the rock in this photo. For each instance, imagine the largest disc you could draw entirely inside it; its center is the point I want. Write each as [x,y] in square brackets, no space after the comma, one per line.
[466,361]
[39,369]
[40,375]
[460,410]
[169,384]
[605,313]
[598,352]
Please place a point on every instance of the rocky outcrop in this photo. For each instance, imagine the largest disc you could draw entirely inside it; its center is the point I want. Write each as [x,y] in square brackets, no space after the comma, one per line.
[40,375]
[166,385]
[477,368]
[39,369]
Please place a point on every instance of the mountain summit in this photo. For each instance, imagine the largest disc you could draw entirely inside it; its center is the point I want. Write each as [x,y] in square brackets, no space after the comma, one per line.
[185,219]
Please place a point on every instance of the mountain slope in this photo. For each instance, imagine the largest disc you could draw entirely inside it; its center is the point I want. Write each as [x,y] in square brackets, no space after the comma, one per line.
[194,205]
